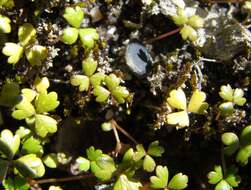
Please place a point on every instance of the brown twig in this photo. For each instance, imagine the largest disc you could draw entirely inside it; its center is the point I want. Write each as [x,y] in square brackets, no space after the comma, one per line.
[118,143]
[64,179]
[162,36]
[114,123]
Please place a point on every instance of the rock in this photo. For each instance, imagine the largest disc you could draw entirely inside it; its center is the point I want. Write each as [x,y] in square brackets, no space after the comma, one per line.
[225,38]
[138,58]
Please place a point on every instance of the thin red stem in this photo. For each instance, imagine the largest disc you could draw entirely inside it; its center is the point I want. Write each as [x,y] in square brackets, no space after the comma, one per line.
[162,36]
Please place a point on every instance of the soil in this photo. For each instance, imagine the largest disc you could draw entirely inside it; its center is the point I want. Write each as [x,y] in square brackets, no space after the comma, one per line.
[193,150]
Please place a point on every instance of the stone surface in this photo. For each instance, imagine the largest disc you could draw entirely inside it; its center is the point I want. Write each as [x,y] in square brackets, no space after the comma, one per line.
[137,58]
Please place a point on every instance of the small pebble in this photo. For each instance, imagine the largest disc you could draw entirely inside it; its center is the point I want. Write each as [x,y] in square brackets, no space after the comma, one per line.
[137,58]
[96,14]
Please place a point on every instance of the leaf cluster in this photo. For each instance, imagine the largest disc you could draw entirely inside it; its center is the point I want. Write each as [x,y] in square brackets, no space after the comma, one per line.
[177,100]
[34,105]
[227,182]
[240,145]
[74,16]
[101,85]
[161,180]
[231,98]
[27,45]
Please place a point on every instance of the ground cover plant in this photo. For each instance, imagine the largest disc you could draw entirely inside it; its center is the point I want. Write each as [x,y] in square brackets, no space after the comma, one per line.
[125,94]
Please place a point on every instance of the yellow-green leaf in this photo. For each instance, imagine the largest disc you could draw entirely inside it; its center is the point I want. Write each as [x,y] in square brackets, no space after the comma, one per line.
[178,118]
[13,51]
[197,104]
[26,34]
[177,99]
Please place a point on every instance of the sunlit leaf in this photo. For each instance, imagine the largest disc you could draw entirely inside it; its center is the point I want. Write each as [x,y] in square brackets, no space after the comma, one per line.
[88,36]
[188,33]
[93,153]
[226,108]
[89,66]
[226,92]
[69,35]
[148,163]
[178,118]
[44,125]
[13,51]
[196,21]
[231,141]
[51,160]
[112,81]
[24,109]
[32,146]
[82,81]
[120,93]
[123,183]
[101,93]
[36,55]
[238,97]
[161,178]
[177,99]
[243,155]
[245,136]
[83,163]
[223,185]
[74,16]
[232,178]
[30,166]
[179,181]
[197,103]
[139,153]
[42,84]
[215,176]
[5,26]
[26,34]
[154,149]
[96,79]
[9,143]
[46,102]
[29,94]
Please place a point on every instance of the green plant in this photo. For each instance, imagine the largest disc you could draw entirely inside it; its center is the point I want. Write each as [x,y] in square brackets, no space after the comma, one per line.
[189,22]
[103,86]
[5,26]
[27,165]
[106,169]
[177,100]
[161,180]
[35,54]
[153,150]
[34,105]
[227,181]
[242,146]
[231,97]
[74,16]
[7,3]
[247,6]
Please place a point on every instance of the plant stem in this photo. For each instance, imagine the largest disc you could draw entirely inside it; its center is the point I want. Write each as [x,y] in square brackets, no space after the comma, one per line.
[223,161]
[114,123]
[162,36]
[118,143]
[64,179]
